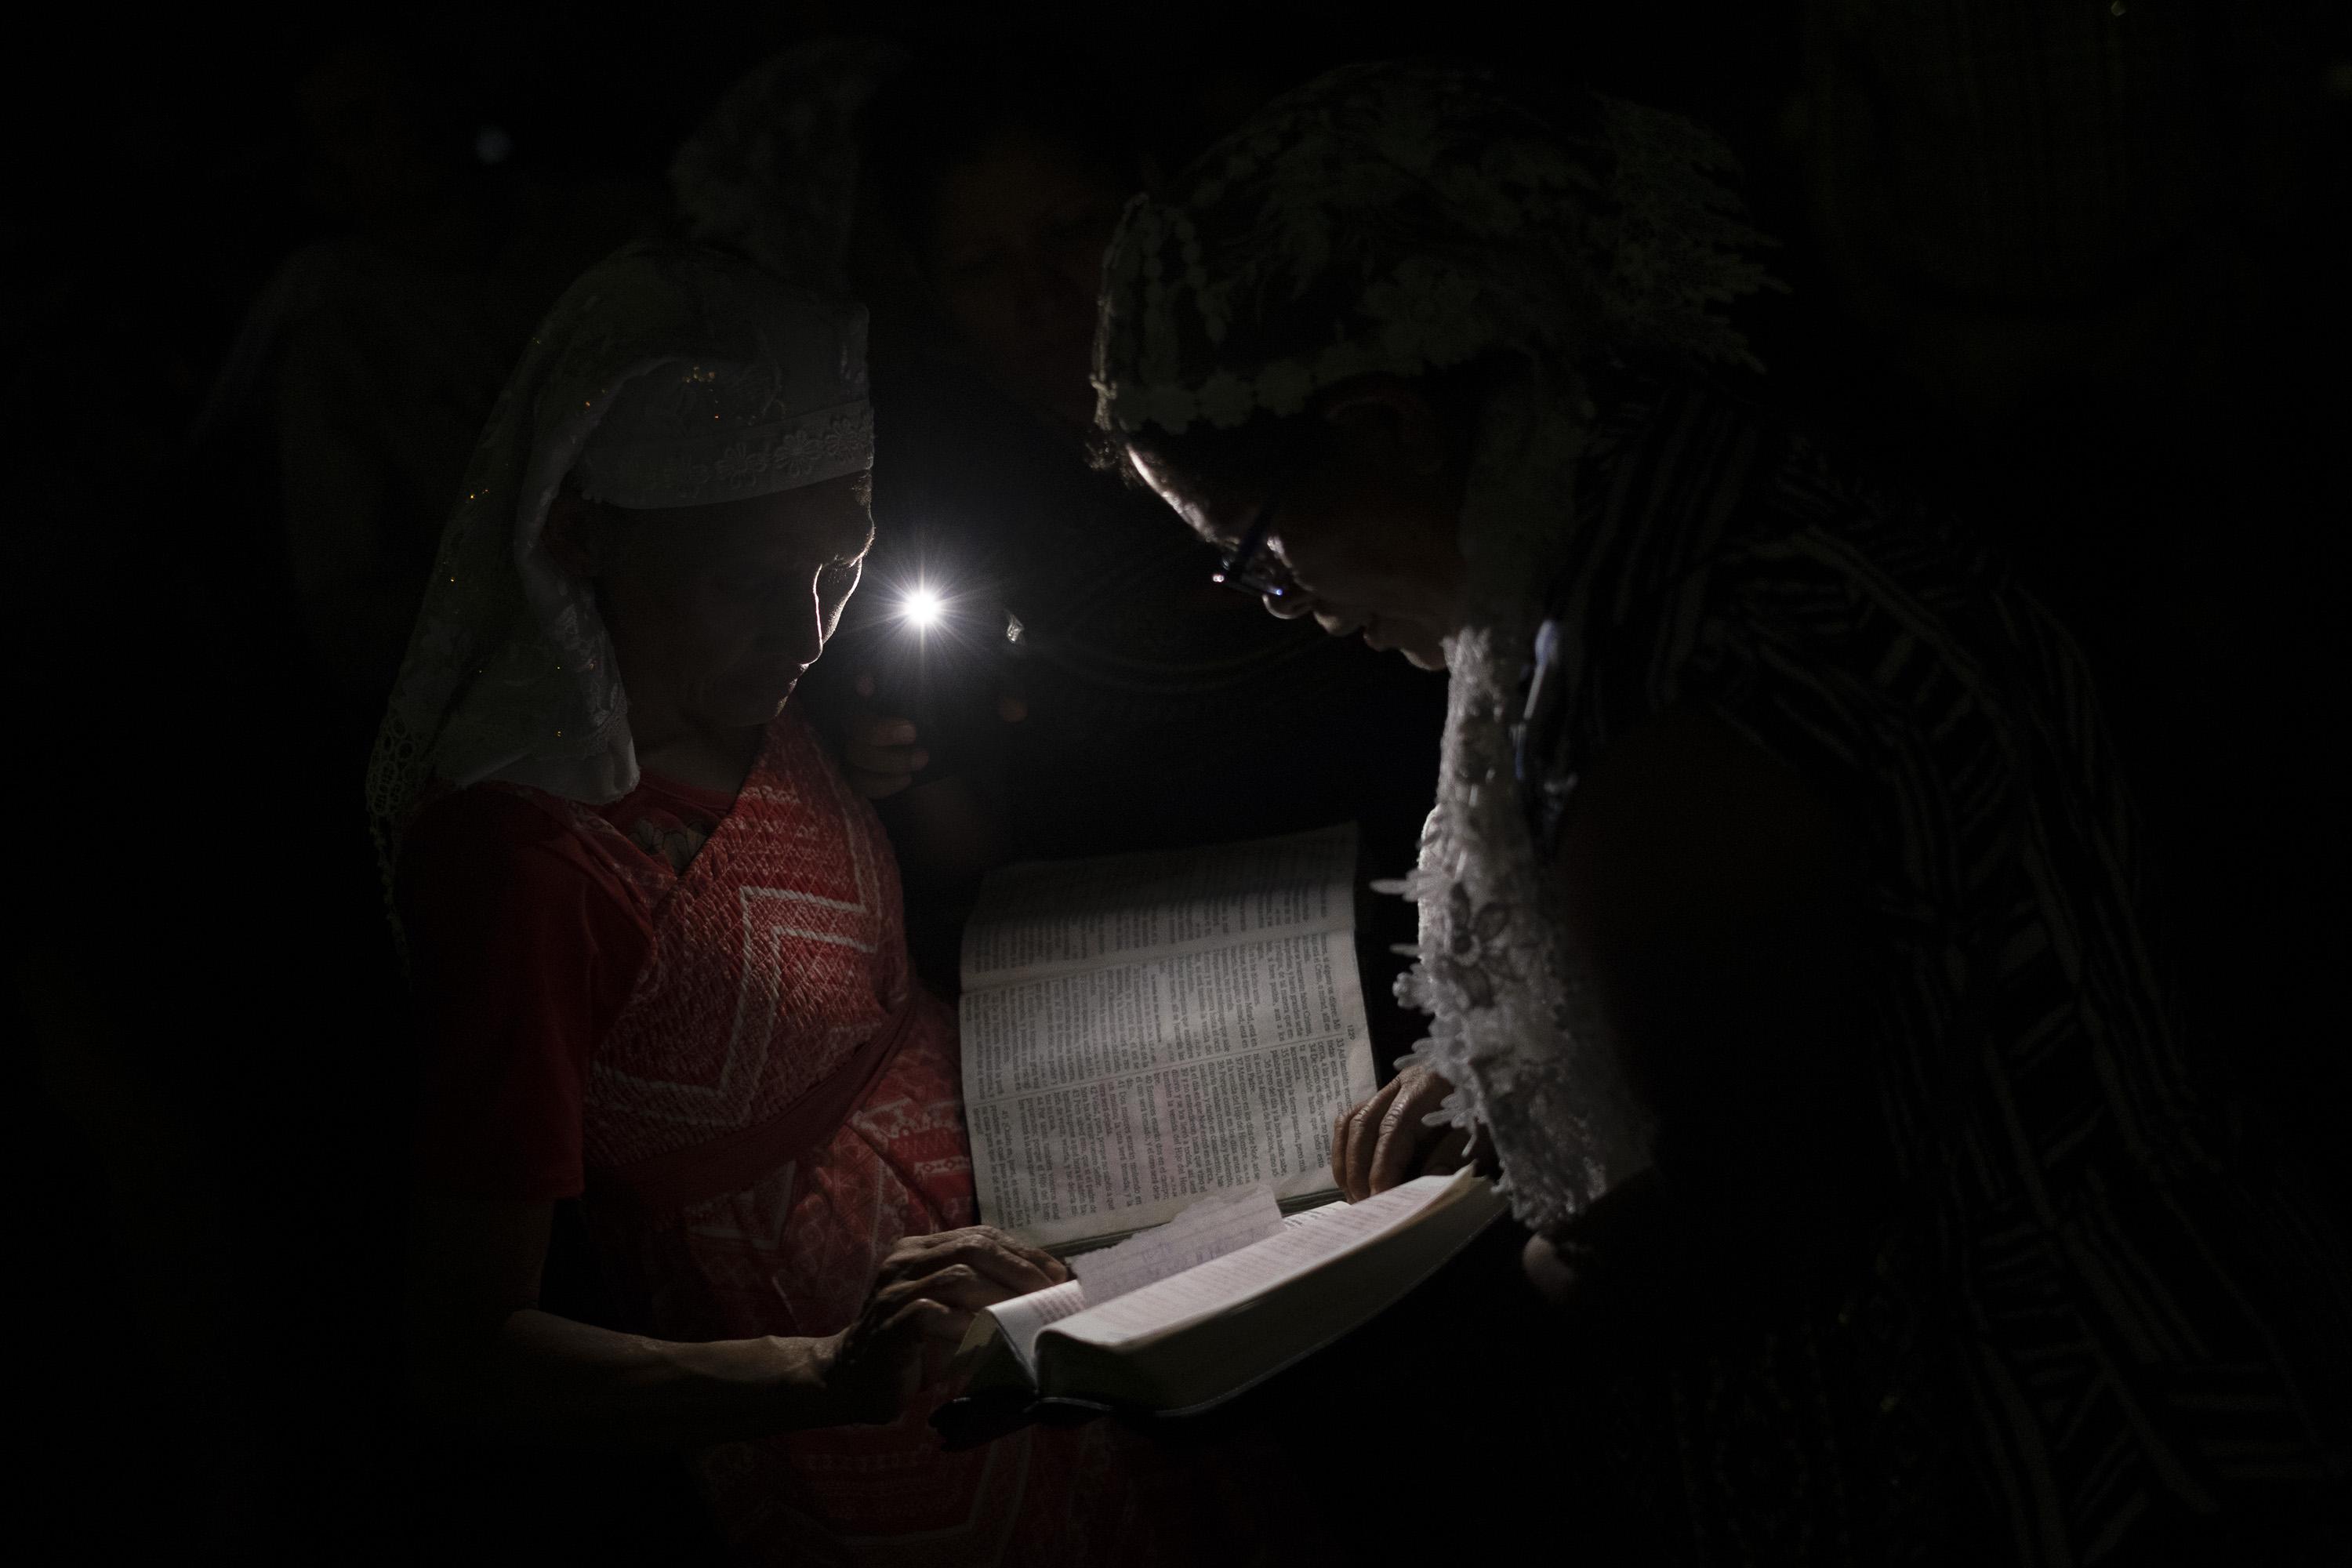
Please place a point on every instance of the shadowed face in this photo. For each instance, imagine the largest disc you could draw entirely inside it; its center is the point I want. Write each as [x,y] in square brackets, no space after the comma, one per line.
[717,611]
[1362,523]
[1015,248]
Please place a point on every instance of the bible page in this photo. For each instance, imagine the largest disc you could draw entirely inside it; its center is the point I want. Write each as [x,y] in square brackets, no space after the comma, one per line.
[1307,1242]
[1024,1318]
[1143,1031]
[1043,918]
[1205,1231]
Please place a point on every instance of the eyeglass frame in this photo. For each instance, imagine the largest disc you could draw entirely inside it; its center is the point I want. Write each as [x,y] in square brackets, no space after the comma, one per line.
[1236,568]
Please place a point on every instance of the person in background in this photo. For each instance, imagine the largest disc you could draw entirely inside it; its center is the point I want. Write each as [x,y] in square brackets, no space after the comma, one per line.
[370,360]
[1159,712]
[669,1018]
[1782,923]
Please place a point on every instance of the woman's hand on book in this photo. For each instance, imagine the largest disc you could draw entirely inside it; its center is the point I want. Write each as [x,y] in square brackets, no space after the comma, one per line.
[922,1300]
[1385,1140]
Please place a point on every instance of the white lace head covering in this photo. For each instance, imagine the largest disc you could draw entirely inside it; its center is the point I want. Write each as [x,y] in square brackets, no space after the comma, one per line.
[668,375]
[1404,218]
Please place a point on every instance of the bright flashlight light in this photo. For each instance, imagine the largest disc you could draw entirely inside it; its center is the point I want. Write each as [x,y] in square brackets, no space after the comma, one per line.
[922,609]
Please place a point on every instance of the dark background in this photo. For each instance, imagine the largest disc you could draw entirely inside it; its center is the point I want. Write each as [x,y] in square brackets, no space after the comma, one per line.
[2092,295]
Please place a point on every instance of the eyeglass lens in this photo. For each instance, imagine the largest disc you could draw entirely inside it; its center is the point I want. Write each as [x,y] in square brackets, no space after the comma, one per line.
[1250,567]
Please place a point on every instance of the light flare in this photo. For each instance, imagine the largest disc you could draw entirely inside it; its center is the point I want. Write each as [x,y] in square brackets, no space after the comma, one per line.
[921,608]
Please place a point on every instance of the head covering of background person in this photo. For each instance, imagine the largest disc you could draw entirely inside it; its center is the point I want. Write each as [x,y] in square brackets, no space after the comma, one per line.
[1406,218]
[353,394]
[669,375]
[773,170]
[996,173]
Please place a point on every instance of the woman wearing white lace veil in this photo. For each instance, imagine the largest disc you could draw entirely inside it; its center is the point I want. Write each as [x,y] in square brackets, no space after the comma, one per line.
[1780,924]
[657,949]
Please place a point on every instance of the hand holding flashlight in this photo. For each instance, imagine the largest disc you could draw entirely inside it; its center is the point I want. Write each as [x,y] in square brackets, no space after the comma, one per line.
[881,753]
[926,669]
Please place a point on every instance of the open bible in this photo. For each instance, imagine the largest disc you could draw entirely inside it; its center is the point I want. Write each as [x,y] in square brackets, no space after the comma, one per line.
[1186,1316]
[1143,1030]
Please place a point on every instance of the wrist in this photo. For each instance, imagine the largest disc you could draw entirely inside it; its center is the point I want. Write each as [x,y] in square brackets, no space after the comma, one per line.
[799,1374]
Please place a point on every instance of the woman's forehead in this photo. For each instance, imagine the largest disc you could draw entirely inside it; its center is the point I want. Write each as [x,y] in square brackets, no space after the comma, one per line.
[822,522]
[1209,510]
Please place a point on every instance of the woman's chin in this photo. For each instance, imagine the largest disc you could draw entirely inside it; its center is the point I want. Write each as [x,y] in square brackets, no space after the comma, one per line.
[747,707]
[1420,651]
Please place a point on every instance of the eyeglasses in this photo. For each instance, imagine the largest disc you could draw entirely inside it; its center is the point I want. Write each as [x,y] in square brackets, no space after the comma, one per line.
[1250,566]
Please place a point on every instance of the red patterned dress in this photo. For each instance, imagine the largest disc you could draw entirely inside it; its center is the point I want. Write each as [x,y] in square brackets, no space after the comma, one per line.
[736,1067]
